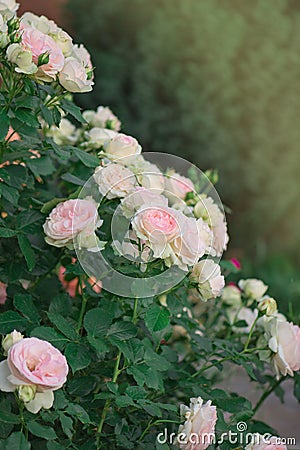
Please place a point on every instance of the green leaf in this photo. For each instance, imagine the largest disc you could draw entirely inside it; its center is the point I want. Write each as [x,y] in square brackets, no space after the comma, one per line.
[157,318]
[41,431]
[11,320]
[28,117]
[41,166]
[121,331]
[136,392]
[70,178]
[97,322]
[27,251]
[10,194]
[48,334]
[63,326]
[87,159]
[4,124]
[79,412]
[123,401]
[8,417]
[78,356]
[67,425]
[72,109]
[24,303]
[53,445]
[7,232]
[17,441]
[30,221]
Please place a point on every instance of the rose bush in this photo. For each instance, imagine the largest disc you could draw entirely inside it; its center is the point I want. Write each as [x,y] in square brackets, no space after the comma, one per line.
[83,366]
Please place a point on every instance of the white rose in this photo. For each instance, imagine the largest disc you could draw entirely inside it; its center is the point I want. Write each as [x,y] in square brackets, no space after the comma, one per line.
[114,180]
[192,243]
[64,134]
[8,8]
[63,40]
[82,55]
[140,197]
[231,295]
[16,54]
[97,137]
[41,23]
[122,146]
[3,33]
[73,77]
[10,339]
[102,118]
[208,276]
[253,288]
[198,430]
[177,186]
[148,174]
[283,339]
[213,216]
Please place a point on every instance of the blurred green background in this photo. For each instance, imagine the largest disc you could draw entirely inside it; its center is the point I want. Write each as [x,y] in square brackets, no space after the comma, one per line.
[216,82]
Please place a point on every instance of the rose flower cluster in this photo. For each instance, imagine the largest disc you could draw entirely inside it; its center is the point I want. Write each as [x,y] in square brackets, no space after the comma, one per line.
[38,48]
[167,218]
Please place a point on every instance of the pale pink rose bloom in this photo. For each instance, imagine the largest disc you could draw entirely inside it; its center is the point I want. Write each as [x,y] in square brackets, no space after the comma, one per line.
[272,444]
[69,219]
[158,227]
[102,118]
[114,180]
[3,294]
[142,197]
[198,430]
[177,186]
[253,288]
[82,55]
[284,340]
[208,276]
[192,243]
[209,211]
[74,77]
[36,362]
[39,43]
[122,146]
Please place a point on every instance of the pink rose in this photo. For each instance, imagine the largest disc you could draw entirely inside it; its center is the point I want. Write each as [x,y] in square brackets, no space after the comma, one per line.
[39,43]
[194,240]
[33,361]
[272,443]
[3,294]
[35,369]
[72,219]
[157,226]
[74,76]
[177,186]
[114,180]
[122,146]
[284,341]
[198,430]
